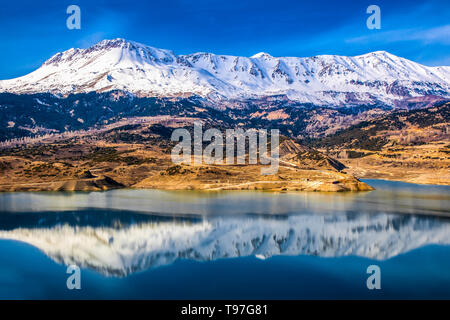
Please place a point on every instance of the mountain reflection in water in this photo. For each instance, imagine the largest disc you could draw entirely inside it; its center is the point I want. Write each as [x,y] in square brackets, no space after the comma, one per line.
[117,242]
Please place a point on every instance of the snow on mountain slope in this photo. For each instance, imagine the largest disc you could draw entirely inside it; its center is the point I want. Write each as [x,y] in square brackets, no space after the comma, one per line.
[147,71]
[121,251]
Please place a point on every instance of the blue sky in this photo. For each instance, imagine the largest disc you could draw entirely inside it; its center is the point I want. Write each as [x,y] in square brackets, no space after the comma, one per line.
[32,31]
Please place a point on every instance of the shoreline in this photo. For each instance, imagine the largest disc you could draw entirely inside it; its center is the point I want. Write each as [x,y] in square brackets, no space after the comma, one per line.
[102,184]
[446,184]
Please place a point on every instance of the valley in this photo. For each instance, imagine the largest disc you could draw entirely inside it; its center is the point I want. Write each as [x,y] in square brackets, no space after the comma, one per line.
[138,156]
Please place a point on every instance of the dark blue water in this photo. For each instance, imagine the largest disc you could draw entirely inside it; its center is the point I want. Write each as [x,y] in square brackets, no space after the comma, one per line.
[421,274]
[260,246]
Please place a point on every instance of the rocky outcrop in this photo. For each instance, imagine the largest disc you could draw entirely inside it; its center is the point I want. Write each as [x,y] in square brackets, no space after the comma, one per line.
[97,184]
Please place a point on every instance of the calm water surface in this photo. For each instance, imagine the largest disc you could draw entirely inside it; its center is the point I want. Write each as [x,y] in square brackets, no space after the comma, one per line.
[230,245]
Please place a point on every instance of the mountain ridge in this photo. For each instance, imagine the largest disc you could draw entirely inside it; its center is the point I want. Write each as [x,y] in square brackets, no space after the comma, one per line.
[374,78]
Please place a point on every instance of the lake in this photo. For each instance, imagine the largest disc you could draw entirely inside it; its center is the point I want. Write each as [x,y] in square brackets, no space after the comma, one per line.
[152,244]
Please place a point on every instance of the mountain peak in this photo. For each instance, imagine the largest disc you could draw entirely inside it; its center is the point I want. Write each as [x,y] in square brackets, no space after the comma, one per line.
[109,44]
[117,43]
[113,41]
[111,52]
[261,55]
[380,54]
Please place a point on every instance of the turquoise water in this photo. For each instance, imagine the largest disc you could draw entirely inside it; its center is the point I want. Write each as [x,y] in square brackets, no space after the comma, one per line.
[148,244]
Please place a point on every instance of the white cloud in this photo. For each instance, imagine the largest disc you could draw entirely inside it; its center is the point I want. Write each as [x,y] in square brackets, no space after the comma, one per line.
[440,35]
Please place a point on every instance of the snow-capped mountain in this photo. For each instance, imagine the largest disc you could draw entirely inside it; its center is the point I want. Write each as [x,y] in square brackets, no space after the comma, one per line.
[377,77]
[121,251]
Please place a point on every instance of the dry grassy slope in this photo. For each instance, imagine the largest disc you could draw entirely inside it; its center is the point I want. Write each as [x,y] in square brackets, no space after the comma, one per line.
[412,146]
[138,156]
